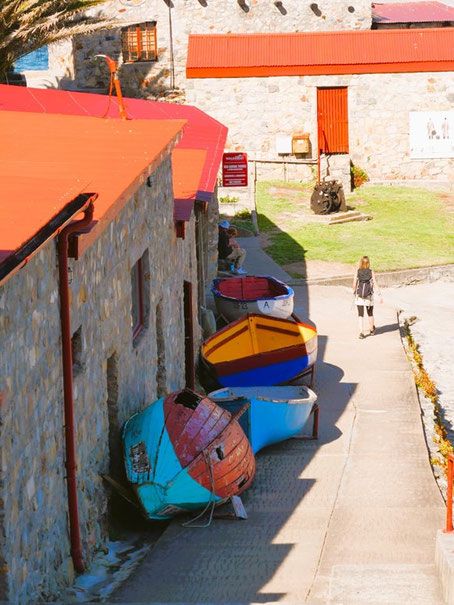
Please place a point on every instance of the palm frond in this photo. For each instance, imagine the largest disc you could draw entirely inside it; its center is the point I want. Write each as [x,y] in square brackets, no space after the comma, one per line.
[27,25]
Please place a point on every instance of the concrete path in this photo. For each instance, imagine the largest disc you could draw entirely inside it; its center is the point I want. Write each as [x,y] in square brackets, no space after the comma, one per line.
[349,519]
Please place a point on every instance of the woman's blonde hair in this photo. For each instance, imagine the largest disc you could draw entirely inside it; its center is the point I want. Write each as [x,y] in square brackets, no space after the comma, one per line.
[232,232]
[364,263]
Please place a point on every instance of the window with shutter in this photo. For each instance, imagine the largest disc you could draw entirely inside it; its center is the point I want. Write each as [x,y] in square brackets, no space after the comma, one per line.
[139,43]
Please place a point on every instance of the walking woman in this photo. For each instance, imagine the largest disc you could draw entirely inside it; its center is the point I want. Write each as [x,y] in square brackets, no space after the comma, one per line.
[364,286]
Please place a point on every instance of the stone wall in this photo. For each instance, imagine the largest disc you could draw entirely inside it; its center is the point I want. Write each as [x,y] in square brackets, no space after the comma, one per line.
[257,110]
[114,378]
[154,79]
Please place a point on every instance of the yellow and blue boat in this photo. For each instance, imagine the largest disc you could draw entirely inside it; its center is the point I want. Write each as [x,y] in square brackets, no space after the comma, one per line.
[258,350]
[184,452]
[274,413]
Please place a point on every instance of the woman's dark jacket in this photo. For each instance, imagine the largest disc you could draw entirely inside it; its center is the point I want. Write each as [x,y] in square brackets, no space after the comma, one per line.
[223,244]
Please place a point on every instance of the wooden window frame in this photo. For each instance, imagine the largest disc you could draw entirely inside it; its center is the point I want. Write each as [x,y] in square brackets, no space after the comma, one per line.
[139,42]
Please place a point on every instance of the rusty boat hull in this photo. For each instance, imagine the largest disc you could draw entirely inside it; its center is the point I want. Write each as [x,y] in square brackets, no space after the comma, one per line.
[184,452]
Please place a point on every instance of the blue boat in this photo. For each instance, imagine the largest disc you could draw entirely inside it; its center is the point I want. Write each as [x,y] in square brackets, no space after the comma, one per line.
[258,350]
[274,414]
[184,452]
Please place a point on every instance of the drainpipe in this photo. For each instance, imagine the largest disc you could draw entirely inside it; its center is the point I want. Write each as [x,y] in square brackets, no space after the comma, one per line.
[71,478]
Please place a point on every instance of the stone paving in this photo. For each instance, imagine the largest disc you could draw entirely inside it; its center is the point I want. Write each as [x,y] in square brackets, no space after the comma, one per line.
[348,519]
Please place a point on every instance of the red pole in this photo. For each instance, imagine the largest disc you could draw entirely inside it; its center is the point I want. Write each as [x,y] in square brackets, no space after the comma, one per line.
[449,494]
[71,478]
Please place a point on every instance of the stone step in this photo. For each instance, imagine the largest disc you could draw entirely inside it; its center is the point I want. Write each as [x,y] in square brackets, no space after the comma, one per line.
[348,219]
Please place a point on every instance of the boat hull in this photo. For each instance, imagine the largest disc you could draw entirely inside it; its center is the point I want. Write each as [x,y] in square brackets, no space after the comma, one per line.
[274,414]
[258,351]
[183,453]
[237,296]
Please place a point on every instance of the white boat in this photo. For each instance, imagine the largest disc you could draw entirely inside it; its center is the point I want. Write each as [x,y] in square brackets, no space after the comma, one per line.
[236,296]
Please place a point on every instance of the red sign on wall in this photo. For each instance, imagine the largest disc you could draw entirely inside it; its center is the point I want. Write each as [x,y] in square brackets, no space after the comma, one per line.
[234,170]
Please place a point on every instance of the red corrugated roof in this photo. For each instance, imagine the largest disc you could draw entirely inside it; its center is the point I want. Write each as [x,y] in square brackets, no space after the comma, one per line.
[378,51]
[411,12]
[187,165]
[200,132]
[46,160]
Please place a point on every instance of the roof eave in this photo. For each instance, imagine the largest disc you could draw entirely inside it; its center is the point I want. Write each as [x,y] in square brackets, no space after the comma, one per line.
[317,70]
[82,241]
[13,263]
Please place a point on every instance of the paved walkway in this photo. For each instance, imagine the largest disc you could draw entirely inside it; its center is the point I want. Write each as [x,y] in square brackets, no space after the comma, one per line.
[349,519]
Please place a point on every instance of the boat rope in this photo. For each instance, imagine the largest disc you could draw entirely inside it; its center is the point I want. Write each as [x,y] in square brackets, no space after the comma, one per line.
[211,502]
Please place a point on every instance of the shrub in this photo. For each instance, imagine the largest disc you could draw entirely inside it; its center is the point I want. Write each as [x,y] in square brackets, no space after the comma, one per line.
[359,176]
[244,215]
[229,200]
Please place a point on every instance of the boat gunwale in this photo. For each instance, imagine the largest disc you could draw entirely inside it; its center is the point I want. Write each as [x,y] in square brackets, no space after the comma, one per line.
[312,397]
[250,362]
[246,319]
[289,290]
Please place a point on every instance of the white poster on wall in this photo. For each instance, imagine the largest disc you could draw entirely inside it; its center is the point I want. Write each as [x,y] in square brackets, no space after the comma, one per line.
[432,134]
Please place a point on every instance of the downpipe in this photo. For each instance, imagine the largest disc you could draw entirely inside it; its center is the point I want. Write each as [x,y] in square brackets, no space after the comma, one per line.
[71,478]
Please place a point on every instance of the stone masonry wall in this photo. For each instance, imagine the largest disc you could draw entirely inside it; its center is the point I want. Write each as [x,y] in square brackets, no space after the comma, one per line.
[256,110]
[114,378]
[33,500]
[154,79]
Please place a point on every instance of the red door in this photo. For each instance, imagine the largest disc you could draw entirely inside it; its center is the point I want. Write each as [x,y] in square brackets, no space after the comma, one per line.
[332,120]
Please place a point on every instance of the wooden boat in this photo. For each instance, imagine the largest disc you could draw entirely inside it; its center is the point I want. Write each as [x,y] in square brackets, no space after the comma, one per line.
[258,350]
[274,414]
[184,452]
[236,296]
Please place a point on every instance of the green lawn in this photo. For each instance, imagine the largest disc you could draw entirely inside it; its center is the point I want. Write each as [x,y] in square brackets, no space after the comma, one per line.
[410,228]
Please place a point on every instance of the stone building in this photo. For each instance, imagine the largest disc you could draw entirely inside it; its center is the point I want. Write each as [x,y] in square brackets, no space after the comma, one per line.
[94,325]
[325,59]
[361,98]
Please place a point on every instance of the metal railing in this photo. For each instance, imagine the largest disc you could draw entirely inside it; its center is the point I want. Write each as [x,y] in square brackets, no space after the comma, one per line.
[449,527]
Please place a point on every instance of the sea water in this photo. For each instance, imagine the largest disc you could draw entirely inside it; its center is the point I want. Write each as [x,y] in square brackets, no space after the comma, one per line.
[36,61]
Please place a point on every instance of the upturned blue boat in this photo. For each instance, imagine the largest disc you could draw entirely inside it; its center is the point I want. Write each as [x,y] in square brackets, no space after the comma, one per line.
[258,350]
[274,414]
[184,452]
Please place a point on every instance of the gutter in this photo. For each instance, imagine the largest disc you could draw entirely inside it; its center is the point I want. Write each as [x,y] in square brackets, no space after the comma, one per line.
[17,260]
[71,478]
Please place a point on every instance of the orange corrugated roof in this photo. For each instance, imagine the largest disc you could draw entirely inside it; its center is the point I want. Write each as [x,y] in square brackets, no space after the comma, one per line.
[243,55]
[187,166]
[45,159]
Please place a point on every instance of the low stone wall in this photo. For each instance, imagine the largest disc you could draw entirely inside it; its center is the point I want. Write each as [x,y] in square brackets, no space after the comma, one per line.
[444,562]
[388,279]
